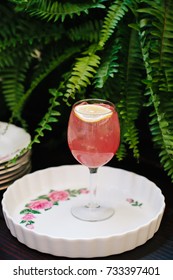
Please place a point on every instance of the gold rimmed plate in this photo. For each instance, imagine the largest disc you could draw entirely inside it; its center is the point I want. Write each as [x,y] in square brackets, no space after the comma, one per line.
[13,139]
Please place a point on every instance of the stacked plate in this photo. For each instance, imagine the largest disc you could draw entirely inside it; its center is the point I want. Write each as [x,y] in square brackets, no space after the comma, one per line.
[13,139]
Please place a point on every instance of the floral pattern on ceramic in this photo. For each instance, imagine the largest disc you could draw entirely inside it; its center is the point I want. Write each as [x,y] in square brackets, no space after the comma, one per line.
[134,202]
[46,202]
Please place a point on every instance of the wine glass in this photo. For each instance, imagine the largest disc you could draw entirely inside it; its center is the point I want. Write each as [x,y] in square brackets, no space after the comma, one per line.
[93,138]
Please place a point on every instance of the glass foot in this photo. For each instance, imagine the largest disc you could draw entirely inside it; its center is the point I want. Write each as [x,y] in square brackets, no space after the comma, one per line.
[92,214]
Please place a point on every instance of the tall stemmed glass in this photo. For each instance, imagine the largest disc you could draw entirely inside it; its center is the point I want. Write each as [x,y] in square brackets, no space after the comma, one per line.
[93,138]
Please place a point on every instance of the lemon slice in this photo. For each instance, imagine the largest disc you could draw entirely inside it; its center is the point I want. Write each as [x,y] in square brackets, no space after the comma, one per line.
[92,112]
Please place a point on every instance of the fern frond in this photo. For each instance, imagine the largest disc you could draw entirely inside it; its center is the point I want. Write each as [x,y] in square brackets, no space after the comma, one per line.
[12,86]
[9,36]
[115,13]
[122,152]
[13,80]
[51,116]
[156,50]
[130,74]
[7,59]
[163,139]
[45,67]
[17,39]
[88,31]
[55,10]
[82,74]
[109,64]
[15,29]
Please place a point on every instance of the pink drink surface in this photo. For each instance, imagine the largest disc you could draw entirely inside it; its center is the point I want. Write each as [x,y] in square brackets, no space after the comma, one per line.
[93,144]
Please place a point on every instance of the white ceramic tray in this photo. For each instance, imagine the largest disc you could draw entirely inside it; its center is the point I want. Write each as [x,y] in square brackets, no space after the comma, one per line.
[12,140]
[37,211]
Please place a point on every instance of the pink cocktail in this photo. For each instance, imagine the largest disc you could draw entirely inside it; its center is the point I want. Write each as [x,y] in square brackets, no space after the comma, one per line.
[94,143]
[93,138]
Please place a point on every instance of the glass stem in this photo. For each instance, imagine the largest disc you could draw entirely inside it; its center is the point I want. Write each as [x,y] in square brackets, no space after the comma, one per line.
[93,188]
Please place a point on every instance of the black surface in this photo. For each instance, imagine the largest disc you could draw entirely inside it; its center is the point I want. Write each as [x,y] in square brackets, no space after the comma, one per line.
[52,154]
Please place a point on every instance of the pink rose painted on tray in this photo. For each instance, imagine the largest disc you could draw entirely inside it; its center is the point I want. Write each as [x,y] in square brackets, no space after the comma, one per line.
[46,202]
[54,198]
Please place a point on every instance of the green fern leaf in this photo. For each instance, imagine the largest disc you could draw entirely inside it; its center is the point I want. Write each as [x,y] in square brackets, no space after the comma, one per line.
[43,69]
[88,31]
[48,10]
[51,115]
[122,152]
[13,80]
[115,13]
[109,64]
[130,87]
[159,19]
[82,74]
